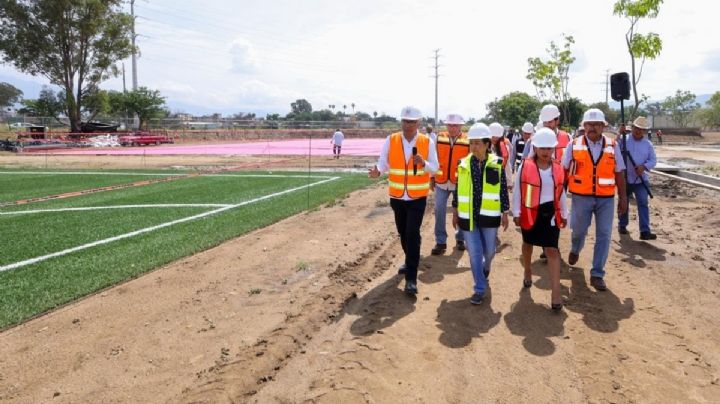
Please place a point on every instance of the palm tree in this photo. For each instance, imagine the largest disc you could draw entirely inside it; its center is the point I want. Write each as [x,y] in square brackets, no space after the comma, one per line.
[353,107]
[375,114]
[344,108]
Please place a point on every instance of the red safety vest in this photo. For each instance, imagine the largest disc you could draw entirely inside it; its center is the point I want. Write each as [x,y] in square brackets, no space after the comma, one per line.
[563,139]
[530,188]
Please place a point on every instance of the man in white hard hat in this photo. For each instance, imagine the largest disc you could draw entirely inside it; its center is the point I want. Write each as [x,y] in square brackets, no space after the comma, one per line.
[451,147]
[518,146]
[550,117]
[595,171]
[410,158]
[640,159]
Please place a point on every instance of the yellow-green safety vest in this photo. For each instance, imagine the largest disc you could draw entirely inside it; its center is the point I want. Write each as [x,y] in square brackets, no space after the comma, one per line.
[490,205]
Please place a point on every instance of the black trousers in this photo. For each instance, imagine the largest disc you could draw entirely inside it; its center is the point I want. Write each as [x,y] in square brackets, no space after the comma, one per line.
[408,219]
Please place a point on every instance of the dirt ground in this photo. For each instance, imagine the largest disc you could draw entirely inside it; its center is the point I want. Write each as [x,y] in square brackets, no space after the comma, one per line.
[339,329]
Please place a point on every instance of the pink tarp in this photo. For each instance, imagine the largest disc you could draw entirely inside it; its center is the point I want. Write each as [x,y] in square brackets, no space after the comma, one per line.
[320,147]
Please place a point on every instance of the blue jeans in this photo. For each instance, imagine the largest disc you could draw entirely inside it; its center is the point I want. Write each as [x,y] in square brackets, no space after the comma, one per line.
[641,196]
[480,244]
[583,209]
[441,198]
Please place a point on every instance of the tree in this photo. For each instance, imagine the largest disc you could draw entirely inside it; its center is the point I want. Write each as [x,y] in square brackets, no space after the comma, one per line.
[143,102]
[611,115]
[96,102]
[9,95]
[571,112]
[514,109]
[551,78]
[681,107]
[710,116]
[48,104]
[353,107]
[74,43]
[363,116]
[375,114]
[640,47]
[300,106]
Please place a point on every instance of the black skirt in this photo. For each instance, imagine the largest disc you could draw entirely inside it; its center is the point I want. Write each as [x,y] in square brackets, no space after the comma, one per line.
[543,234]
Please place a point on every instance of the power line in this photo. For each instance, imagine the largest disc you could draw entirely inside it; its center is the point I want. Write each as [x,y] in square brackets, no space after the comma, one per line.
[437,56]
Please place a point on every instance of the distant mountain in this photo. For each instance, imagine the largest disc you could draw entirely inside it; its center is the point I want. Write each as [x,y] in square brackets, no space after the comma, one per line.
[701,99]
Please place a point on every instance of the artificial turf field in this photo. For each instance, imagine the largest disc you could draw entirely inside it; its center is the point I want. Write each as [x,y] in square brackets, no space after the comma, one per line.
[57,250]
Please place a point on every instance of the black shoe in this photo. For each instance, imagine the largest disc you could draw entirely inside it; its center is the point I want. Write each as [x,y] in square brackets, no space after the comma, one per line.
[460,245]
[648,236]
[543,256]
[573,258]
[402,270]
[411,287]
[556,306]
[623,230]
[598,283]
[487,274]
[439,249]
[476,298]
[527,283]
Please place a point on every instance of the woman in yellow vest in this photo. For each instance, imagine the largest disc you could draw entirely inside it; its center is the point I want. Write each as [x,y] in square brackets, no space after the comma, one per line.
[480,205]
[410,158]
[540,208]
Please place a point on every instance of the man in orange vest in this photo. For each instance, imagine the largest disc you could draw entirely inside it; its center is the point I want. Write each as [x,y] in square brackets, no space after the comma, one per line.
[410,158]
[451,147]
[595,170]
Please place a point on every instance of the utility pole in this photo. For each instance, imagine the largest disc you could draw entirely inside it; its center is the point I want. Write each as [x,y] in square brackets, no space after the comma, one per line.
[123,70]
[437,56]
[134,52]
[607,85]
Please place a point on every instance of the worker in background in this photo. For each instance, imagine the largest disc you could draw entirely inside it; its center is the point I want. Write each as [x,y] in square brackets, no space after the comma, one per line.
[409,158]
[430,132]
[595,171]
[451,147]
[481,205]
[550,117]
[641,158]
[337,141]
[540,209]
[518,145]
[500,146]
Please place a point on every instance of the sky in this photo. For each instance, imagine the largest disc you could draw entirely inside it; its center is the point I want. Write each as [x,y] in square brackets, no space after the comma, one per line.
[260,55]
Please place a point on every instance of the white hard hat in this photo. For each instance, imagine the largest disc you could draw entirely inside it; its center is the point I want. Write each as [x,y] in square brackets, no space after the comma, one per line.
[454,119]
[528,128]
[549,112]
[593,115]
[545,137]
[410,113]
[496,130]
[479,131]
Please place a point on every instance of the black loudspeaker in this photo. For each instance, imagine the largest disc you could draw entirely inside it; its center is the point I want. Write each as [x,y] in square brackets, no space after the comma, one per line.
[620,86]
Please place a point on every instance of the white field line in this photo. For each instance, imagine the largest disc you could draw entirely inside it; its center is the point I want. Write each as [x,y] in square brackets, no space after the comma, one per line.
[160,205]
[161,174]
[153,228]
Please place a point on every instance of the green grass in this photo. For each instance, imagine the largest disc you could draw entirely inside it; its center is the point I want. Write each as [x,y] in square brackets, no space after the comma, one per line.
[36,288]
[28,184]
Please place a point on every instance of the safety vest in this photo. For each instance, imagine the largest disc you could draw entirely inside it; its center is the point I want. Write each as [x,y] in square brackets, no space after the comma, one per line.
[401,178]
[563,139]
[519,149]
[589,177]
[448,156]
[490,206]
[504,146]
[530,189]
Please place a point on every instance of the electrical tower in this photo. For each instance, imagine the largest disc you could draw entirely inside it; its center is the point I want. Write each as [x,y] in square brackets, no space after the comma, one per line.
[437,56]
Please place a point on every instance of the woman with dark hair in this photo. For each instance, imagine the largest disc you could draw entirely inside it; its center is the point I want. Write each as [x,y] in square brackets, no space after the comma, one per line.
[480,205]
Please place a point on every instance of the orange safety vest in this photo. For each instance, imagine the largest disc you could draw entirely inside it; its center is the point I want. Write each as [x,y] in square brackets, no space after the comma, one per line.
[504,150]
[401,178]
[530,189]
[563,139]
[449,155]
[589,177]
